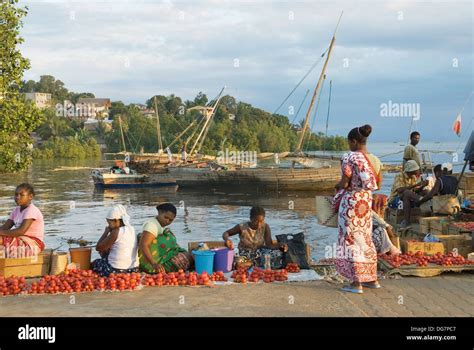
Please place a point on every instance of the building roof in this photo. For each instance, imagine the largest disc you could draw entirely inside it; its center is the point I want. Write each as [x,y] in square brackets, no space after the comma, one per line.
[99,102]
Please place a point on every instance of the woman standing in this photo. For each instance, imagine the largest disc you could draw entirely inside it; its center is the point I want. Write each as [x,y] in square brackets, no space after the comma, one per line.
[356,254]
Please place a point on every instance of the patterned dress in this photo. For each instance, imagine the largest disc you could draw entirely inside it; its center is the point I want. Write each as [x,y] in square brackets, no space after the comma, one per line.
[252,247]
[356,257]
[166,252]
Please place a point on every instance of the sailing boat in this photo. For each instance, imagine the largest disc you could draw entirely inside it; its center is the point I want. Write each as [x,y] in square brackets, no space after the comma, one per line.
[154,163]
[268,178]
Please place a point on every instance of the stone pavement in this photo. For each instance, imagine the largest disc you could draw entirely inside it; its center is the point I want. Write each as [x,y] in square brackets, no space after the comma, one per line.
[445,295]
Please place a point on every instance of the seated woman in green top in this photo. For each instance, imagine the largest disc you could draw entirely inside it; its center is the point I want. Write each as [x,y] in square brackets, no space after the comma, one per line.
[158,250]
[256,241]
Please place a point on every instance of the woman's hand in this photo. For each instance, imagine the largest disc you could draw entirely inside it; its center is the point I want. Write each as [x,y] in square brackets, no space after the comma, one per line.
[159,268]
[229,244]
[283,247]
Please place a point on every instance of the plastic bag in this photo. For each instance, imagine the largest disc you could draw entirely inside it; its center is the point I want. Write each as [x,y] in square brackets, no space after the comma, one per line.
[296,249]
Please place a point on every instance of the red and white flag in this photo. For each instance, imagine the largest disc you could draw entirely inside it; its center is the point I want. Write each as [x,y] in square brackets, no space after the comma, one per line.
[457,125]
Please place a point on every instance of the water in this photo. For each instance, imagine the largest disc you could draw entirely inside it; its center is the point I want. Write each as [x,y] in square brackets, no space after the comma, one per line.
[73,208]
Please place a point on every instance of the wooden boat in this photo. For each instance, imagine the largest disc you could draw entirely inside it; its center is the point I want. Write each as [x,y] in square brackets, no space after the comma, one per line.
[106,179]
[279,179]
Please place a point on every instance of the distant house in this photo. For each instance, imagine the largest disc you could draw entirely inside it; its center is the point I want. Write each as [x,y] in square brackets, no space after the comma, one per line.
[96,107]
[40,99]
[231,116]
[92,124]
[145,111]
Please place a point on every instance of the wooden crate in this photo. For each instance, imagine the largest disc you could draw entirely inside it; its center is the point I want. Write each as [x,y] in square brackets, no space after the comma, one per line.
[428,248]
[26,267]
[462,244]
[467,182]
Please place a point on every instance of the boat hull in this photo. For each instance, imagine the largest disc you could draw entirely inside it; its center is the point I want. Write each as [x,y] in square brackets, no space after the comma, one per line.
[264,178]
[106,180]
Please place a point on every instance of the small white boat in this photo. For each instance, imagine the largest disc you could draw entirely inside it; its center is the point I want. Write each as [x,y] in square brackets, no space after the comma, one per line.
[106,178]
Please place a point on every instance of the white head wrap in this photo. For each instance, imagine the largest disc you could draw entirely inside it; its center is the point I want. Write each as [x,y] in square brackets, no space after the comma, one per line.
[119,212]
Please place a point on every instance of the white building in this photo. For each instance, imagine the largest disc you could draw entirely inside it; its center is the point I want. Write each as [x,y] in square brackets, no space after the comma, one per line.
[99,107]
[40,99]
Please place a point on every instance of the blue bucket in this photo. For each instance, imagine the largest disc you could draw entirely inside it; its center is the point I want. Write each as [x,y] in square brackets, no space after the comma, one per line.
[204,261]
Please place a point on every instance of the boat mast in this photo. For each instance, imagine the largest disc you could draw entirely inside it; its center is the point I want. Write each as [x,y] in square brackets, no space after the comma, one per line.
[181,134]
[316,90]
[208,116]
[121,133]
[158,130]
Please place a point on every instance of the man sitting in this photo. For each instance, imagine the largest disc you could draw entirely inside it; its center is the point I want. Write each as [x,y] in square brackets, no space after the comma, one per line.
[407,189]
[445,184]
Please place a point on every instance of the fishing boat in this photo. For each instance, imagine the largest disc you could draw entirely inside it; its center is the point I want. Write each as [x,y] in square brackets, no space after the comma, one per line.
[106,179]
[122,176]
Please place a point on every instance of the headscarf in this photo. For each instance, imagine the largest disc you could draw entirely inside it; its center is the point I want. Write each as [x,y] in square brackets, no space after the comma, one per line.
[119,212]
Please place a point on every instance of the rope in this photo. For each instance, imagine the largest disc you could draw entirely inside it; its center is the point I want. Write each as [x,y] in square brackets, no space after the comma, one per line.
[301,105]
[315,111]
[302,79]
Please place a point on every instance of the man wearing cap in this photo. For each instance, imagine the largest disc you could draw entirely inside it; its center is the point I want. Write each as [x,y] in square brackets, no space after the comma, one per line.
[410,152]
[447,168]
[407,189]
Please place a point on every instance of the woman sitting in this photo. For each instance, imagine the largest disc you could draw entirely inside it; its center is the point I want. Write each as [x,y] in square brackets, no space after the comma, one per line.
[158,250]
[118,245]
[256,240]
[22,234]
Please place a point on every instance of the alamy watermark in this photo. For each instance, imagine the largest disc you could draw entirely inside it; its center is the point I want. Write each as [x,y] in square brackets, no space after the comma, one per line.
[246,158]
[68,109]
[403,110]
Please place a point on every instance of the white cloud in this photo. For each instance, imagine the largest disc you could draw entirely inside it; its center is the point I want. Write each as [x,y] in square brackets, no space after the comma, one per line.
[184,47]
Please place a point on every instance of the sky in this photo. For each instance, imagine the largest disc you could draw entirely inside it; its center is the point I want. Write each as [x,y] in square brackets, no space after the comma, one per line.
[388,55]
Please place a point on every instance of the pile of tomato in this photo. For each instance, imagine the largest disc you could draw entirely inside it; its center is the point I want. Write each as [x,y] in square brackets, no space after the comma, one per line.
[240,275]
[218,276]
[420,259]
[268,276]
[293,267]
[12,285]
[179,278]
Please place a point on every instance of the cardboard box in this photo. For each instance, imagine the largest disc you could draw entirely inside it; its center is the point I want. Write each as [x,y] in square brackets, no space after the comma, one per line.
[462,244]
[428,248]
[395,216]
[440,226]
[211,244]
[27,267]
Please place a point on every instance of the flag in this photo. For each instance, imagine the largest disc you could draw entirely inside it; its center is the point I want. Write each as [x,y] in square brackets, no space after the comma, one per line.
[457,125]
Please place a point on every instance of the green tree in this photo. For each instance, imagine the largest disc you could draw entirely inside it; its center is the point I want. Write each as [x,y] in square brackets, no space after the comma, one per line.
[18,118]
[200,99]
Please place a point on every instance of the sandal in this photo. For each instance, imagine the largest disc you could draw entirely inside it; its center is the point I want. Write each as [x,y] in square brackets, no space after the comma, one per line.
[375,285]
[352,290]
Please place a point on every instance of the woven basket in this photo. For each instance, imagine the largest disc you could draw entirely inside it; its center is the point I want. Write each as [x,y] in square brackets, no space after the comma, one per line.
[59,261]
[324,212]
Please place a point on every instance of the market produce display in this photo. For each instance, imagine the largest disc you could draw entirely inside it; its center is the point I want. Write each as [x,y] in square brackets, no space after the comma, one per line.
[293,267]
[423,260]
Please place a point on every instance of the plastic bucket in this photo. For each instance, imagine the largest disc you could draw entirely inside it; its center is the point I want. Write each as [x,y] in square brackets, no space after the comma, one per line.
[82,257]
[223,259]
[204,260]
